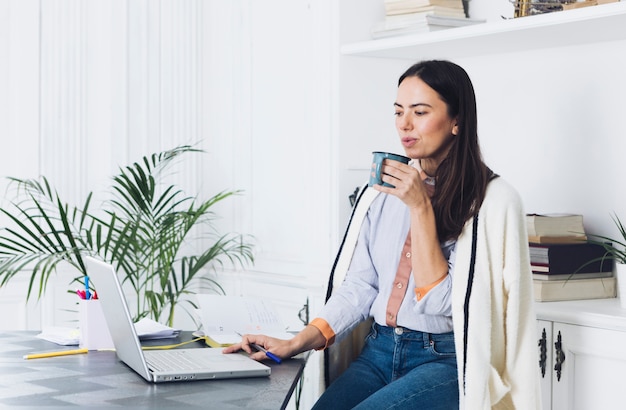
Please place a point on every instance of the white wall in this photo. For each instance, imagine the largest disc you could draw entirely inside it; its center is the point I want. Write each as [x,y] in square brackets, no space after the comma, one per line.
[551,123]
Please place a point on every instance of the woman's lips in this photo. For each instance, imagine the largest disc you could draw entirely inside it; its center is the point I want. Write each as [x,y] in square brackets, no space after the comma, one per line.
[408,141]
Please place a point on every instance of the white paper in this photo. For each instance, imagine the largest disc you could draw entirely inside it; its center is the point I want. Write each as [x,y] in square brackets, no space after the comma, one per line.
[149,329]
[64,336]
[225,317]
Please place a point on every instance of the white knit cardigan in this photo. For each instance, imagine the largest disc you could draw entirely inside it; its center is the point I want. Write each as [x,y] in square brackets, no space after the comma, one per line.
[493,312]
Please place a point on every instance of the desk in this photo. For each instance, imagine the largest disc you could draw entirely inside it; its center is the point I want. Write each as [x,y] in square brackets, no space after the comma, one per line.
[99,379]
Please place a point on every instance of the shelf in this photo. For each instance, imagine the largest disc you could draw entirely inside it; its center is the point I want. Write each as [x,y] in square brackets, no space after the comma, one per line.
[559,29]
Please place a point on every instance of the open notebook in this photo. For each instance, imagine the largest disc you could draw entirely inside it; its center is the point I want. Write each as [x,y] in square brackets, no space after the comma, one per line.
[161,365]
[225,318]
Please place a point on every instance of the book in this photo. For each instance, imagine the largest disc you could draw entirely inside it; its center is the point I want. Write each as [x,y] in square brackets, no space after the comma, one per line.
[393,7]
[421,12]
[541,268]
[555,225]
[379,31]
[555,290]
[450,21]
[557,239]
[419,23]
[571,276]
[407,20]
[569,258]
[226,318]
[579,4]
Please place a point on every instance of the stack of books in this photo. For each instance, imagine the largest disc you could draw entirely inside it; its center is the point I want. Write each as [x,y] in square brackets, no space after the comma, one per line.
[565,266]
[418,16]
[555,228]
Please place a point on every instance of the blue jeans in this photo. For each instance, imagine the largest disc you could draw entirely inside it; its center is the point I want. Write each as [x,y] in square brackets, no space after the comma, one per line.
[398,368]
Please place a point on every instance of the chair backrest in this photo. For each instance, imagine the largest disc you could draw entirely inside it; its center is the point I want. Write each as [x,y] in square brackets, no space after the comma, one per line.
[338,356]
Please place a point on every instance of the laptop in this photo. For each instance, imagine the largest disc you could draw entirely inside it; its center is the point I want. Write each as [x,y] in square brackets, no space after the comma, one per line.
[161,365]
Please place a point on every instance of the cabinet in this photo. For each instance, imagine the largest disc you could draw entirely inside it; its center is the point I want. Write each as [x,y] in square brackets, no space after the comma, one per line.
[582,347]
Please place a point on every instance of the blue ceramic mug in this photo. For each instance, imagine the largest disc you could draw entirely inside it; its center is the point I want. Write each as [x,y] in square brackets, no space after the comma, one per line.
[379,157]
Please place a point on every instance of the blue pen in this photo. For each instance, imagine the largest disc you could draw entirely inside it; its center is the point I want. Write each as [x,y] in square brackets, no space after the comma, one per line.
[268,354]
[87,292]
[261,349]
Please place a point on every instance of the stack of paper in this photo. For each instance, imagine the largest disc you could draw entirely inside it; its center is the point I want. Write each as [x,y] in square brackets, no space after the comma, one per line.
[64,336]
[149,329]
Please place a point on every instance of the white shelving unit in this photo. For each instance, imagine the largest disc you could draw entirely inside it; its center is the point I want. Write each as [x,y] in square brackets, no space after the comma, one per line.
[559,29]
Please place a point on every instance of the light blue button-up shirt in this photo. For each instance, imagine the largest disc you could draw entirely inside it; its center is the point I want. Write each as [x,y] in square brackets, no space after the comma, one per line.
[368,283]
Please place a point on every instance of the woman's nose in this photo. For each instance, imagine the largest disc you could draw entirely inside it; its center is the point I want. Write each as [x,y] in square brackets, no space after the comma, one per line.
[405,124]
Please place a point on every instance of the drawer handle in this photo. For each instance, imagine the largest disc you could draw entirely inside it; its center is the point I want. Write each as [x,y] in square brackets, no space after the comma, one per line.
[543,350]
[560,357]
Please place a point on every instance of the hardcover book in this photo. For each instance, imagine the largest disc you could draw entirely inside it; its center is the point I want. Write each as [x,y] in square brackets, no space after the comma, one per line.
[555,225]
[557,239]
[571,276]
[393,7]
[572,258]
[555,290]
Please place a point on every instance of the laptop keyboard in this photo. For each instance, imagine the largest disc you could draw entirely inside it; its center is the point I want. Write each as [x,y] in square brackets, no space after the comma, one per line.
[164,360]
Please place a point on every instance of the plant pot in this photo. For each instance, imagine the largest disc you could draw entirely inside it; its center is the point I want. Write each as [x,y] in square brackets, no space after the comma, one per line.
[620,276]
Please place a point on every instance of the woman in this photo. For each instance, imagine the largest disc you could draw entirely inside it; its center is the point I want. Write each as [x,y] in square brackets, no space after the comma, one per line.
[454,235]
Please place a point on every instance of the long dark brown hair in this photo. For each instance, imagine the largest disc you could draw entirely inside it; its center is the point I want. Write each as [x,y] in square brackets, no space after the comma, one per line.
[462,177]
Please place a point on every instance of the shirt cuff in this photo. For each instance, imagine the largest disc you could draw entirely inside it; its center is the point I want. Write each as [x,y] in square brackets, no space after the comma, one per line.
[326,330]
[421,292]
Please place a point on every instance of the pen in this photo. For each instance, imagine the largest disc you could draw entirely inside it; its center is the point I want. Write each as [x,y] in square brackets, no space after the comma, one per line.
[87,292]
[54,354]
[261,349]
[268,354]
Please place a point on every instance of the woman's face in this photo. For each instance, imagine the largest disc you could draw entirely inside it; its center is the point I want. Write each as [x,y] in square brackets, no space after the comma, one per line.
[424,126]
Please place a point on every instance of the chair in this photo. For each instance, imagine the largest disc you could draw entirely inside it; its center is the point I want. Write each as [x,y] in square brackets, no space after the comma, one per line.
[338,356]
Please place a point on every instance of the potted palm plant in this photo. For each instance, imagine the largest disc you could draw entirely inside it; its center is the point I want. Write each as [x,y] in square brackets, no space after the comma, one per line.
[142,231]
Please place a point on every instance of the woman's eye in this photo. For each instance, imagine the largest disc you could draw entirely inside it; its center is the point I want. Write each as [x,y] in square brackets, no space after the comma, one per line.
[419,113]
[397,113]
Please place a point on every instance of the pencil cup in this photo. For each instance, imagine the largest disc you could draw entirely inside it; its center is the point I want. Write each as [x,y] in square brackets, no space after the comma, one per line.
[94,332]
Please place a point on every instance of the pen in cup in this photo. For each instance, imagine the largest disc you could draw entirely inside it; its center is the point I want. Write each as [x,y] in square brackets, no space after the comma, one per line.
[87,292]
[262,349]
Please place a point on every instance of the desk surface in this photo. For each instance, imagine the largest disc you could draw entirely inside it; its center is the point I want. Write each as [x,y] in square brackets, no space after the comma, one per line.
[99,379]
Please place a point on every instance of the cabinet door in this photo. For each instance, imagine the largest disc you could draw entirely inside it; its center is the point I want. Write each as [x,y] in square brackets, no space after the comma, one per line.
[545,346]
[592,368]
